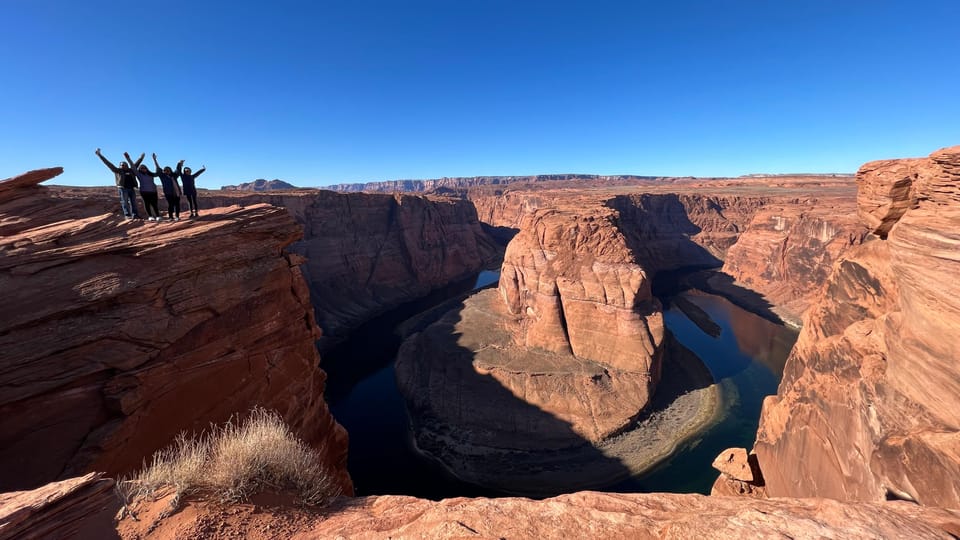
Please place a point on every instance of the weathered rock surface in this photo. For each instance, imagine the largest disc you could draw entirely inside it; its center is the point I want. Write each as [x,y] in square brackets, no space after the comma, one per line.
[734,463]
[739,474]
[576,286]
[869,407]
[787,251]
[118,334]
[579,515]
[369,253]
[82,507]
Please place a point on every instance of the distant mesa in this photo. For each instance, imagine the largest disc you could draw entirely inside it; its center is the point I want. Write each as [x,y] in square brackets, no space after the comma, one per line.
[261,185]
[797,175]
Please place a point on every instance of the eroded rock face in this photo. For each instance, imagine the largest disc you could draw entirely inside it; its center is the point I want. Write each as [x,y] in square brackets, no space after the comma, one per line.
[119,334]
[786,251]
[869,407]
[82,507]
[586,514]
[369,253]
[575,284]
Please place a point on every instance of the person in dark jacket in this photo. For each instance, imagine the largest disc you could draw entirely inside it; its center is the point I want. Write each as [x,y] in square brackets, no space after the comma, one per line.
[126,184]
[189,179]
[148,191]
[171,189]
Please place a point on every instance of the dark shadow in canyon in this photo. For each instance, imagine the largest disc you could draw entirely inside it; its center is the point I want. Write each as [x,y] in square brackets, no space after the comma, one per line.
[501,235]
[506,444]
[373,345]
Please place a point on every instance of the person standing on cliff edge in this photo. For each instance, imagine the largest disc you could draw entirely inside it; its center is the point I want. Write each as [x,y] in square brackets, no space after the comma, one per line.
[148,189]
[171,189]
[189,179]
[126,182]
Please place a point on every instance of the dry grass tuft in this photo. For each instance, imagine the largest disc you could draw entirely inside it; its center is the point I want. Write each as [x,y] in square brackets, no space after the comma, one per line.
[234,461]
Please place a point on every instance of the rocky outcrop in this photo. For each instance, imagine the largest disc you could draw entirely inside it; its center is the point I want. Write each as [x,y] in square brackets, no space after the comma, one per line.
[119,334]
[739,474]
[82,507]
[261,185]
[580,515]
[369,253]
[576,287]
[869,407]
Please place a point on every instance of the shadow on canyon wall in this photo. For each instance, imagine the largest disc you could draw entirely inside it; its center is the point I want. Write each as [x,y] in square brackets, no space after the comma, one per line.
[501,235]
[474,417]
[483,431]
[658,231]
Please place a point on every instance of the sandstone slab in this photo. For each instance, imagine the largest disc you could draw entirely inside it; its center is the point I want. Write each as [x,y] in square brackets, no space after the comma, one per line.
[119,334]
[580,515]
[82,507]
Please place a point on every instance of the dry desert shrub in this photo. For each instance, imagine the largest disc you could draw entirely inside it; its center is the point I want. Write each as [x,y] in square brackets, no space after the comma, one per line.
[236,460]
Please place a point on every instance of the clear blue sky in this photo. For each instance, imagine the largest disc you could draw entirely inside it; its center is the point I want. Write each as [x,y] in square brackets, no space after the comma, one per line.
[342,91]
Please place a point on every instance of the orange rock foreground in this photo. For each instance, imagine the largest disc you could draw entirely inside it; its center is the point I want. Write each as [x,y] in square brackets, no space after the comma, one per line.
[83,508]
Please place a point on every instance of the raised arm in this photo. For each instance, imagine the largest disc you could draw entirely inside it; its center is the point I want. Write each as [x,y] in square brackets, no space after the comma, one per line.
[156,163]
[198,173]
[180,167]
[106,161]
[139,161]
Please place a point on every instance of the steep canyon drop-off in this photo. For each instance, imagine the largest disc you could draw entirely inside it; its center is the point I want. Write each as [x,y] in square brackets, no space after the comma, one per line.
[869,407]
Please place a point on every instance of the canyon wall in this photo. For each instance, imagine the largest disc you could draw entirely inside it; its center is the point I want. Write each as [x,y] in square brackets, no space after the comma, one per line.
[368,253]
[439,185]
[119,334]
[787,250]
[768,239]
[869,406]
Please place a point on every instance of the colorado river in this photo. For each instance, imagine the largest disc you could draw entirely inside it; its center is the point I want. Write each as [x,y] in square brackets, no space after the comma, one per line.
[745,354]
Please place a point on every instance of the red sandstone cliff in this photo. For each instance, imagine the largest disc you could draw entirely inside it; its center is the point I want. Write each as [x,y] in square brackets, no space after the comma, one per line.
[588,515]
[118,334]
[369,253]
[869,407]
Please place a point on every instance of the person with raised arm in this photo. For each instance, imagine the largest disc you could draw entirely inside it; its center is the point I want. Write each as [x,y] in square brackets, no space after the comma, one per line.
[148,189]
[126,184]
[171,189]
[189,179]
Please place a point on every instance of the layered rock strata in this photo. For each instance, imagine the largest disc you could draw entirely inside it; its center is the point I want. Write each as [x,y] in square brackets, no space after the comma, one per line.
[586,514]
[82,507]
[119,334]
[787,251]
[369,253]
[869,407]
[779,239]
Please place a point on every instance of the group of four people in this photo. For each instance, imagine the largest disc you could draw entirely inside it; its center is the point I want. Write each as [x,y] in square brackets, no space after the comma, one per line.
[133,174]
